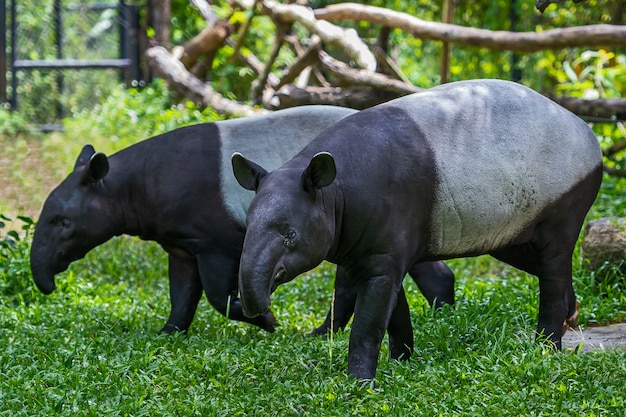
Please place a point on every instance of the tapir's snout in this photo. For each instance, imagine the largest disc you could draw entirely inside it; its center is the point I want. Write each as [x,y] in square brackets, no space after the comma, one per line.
[255,290]
[46,287]
[44,267]
[254,309]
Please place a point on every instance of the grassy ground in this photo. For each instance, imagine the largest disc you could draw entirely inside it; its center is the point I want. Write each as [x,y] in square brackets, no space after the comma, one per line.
[91,347]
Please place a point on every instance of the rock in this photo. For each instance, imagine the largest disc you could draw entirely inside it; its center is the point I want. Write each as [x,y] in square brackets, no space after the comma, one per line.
[594,338]
[604,241]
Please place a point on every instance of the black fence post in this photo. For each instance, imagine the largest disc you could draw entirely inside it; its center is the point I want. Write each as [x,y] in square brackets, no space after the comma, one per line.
[13,100]
[58,33]
[129,41]
[3,52]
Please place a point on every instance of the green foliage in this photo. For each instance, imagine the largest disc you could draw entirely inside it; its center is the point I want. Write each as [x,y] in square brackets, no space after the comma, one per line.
[16,286]
[15,124]
[124,118]
[92,348]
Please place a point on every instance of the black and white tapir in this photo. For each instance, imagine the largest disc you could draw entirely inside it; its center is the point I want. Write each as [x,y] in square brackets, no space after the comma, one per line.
[178,189]
[463,169]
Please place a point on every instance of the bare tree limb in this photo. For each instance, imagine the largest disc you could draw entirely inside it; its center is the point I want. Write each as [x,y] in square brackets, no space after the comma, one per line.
[356,98]
[362,77]
[205,10]
[603,107]
[191,87]
[210,39]
[620,173]
[580,36]
[388,66]
[307,58]
[258,85]
[347,40]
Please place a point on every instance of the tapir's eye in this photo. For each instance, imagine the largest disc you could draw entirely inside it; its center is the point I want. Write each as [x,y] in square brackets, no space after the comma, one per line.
[62,221]
[289,238]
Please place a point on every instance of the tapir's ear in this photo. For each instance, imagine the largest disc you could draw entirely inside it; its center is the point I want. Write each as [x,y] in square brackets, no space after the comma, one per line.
[96,168]
[320,173]
[248,173]
[84,156]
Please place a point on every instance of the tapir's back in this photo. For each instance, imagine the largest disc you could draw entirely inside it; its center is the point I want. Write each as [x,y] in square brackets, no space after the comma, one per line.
[484,157]
[188,169]
[503,153]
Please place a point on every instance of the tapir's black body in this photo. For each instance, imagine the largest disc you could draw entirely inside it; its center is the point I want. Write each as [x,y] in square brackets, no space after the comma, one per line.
[173,189]
[462,169]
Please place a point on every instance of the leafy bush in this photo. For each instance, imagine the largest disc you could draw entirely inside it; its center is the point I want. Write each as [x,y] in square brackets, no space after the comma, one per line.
[16,284]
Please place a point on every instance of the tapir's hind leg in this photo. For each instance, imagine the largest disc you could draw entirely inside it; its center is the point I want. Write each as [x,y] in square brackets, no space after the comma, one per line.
[218,273]
[434,279]
[185,293]
[342,307]
[548,254]
[400,330]
[551,262]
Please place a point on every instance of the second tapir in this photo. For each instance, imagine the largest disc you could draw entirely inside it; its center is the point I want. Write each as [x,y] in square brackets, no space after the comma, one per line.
[178,189]
[462,169]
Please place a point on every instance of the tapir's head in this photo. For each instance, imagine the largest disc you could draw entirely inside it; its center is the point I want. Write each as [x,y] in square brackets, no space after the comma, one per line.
[288,230]
[75,218]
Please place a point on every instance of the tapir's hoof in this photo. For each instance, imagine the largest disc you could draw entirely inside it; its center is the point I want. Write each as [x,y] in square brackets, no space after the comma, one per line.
[269,322]
[171,329]
[572,321]
[320,331]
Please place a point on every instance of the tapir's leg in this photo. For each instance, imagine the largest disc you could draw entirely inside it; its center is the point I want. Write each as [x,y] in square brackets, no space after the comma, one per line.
[435,280]
[556,297]
[185,293]
[553,267]
[376,299]
[218,273]
[400,329]
[342,305]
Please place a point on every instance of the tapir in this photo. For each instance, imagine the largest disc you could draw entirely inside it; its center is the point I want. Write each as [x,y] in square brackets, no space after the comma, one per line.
[178,189]
[462,169]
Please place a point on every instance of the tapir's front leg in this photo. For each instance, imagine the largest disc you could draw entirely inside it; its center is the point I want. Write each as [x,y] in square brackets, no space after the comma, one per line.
[376,299]
[185,293]
[218,273]
[435,280]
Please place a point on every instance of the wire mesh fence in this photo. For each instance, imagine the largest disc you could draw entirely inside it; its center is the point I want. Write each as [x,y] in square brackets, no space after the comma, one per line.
[66,55]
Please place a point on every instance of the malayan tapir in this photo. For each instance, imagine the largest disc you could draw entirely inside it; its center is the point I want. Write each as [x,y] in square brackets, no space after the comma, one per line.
[462,169]
[178,189]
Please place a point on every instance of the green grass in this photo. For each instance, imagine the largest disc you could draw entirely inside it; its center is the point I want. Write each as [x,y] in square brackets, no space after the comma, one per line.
[91,348]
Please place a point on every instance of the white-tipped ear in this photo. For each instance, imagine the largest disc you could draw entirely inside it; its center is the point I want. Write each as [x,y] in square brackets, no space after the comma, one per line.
[96,168]
[247,173]
[85,154]
[320,173]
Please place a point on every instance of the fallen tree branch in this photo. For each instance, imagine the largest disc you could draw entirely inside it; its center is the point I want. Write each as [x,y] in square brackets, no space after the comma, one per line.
[620,173]
[362,77]
[308,58]
[580,36]
[603,107]
[209,40]
[356,98]
[347,40]
[193,88]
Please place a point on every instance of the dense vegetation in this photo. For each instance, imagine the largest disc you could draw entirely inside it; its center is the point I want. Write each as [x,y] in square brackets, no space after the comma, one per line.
[91,347]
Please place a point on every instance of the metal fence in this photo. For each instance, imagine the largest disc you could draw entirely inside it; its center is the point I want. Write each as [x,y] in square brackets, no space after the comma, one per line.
[63,56]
